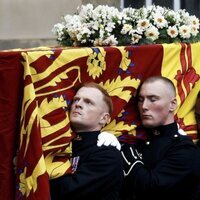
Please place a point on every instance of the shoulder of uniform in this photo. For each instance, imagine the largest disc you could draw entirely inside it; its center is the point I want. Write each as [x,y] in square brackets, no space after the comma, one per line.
[180,135]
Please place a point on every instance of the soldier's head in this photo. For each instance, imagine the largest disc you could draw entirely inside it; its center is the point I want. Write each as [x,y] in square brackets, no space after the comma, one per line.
[91,108]
[157,101]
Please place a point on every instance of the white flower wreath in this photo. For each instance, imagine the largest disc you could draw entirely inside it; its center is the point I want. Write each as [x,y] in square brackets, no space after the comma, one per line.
[106,25]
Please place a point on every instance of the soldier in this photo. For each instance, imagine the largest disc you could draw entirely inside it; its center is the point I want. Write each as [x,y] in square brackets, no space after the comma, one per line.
[167,165]
[98,171]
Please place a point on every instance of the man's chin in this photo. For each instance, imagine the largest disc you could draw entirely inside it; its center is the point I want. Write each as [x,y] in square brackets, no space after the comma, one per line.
[76,126]
[75,123]
[148,125]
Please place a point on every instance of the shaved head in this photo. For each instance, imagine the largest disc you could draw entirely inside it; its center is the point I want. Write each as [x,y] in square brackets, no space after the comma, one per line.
[169,86]
[157,101]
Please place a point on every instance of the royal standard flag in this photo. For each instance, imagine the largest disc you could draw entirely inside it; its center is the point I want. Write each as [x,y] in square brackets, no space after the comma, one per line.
[50,76]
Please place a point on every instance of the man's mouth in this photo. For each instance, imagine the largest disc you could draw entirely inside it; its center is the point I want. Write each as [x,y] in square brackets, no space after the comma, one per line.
[76,113]
[146,116]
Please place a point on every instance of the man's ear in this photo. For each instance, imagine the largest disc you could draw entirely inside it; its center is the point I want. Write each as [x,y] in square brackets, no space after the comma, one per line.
[173,104]
[105,118]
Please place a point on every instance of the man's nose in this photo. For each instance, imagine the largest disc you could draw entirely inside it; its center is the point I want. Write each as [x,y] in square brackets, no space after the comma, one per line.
[78,104]
[144,104]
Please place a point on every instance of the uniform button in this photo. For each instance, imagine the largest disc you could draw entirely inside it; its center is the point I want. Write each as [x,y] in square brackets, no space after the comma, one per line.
[175,135]
[78,138]
[156,132]
[147,143]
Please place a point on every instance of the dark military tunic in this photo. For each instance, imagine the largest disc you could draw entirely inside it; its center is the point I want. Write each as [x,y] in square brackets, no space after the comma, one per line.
[171,169]
[99,172]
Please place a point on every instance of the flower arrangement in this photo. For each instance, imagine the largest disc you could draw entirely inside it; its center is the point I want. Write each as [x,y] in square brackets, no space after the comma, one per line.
[106,25]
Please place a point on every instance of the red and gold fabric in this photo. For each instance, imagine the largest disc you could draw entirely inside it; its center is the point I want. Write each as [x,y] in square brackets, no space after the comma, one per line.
[49,78]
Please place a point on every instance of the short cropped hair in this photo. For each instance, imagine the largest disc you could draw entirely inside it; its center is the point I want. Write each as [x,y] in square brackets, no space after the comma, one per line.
[165,80]
[106,97]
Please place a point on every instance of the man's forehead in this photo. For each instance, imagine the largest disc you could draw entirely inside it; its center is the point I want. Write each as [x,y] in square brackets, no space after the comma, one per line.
[89,92]
[152,87]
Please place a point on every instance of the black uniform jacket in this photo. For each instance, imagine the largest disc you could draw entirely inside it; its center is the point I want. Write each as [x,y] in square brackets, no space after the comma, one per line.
[171,169]
[99,172]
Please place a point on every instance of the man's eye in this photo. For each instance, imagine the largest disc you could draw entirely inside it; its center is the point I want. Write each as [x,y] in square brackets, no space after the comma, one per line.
[88,102]
[75,100]
[140,99]
[153,99]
